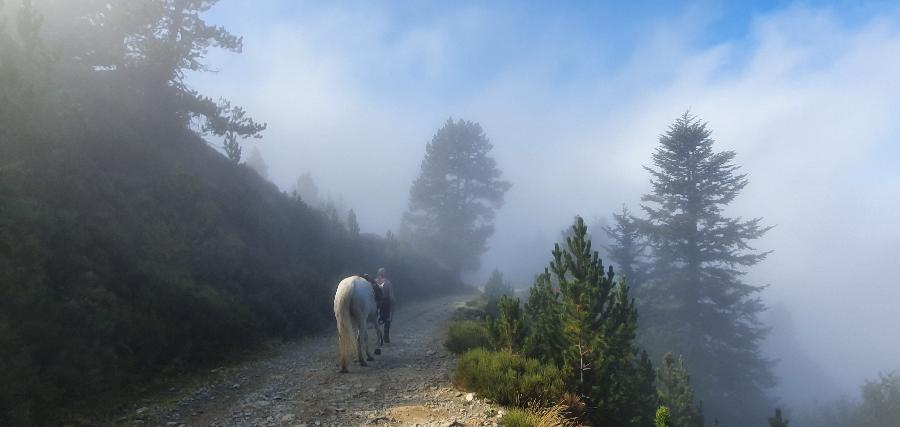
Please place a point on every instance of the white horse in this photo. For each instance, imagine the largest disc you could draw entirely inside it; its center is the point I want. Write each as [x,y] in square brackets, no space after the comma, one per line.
[355,302]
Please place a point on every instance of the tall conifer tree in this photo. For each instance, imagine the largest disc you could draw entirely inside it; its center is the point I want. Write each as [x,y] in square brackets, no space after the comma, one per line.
[452,202]
[699,255]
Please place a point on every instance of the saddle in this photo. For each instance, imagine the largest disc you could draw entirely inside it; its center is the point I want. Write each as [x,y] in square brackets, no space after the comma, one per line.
[378,292]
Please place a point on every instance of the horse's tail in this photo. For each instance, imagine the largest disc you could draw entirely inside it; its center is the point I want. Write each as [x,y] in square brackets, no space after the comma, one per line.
[346,343]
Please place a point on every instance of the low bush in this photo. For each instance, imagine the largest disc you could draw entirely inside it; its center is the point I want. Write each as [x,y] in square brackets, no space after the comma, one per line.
[508,379]
[468,313]
[466,335]
[536,417]
[518,418]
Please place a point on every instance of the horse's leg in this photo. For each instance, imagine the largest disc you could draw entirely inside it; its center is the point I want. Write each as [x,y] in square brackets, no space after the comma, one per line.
[365,339]
[380,336]
[360,333]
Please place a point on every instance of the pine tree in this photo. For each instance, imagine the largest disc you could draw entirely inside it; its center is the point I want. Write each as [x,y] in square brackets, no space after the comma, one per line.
[598,322]
[154,45]
[452,202]
[508,328]
[881,401]
[233,124]
[257,163]
[675,392]
[495,288]
[711,314]
[544,313]
[352,224]
[778,421]
[306,190]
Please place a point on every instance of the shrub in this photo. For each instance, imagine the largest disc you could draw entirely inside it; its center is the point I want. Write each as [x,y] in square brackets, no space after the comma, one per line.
[662,417]
[466,335]
[518,418]
[536,417]
[472,310]
[476,303]
[508,379]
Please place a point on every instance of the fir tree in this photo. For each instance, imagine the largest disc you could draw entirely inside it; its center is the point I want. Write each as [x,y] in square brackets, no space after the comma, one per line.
[628,248]
[711,314]
[452,202]
[675,392]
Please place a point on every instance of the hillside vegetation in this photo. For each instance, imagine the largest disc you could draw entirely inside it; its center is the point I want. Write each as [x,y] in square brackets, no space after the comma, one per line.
[127,243]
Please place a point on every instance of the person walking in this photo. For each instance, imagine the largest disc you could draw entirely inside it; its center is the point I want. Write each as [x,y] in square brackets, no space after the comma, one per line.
[386,307]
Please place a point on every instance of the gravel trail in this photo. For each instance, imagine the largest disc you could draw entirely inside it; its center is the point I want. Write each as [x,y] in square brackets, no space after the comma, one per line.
[299,384]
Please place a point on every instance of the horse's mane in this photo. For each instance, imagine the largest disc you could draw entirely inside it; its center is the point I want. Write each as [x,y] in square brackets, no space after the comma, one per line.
[375,287]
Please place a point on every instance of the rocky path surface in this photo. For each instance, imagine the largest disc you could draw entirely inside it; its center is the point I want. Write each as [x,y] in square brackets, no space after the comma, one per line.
[299,385]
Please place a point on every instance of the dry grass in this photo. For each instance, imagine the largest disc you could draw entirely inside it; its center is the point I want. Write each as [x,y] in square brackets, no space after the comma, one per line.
[536,416]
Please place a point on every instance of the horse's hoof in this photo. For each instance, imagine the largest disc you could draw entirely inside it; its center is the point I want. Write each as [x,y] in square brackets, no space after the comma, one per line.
[378,351]
[370,358]
[363,363]
[344,370]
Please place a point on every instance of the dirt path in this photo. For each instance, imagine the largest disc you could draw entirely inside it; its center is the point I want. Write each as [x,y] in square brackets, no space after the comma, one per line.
[409,384]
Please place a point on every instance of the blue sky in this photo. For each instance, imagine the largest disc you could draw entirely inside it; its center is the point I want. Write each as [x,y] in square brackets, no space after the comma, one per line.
[573,96]
[589,38]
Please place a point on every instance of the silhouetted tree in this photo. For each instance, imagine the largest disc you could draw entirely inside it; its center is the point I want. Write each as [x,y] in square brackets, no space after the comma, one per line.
[307,190]
[711,314]
[233,124]
[881,401]
[352,224]
[628,249]
[452,202]
[494,288]
[257,163]
[151,45]
[778,421]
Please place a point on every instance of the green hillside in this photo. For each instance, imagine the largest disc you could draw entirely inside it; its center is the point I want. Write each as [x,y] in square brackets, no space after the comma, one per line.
[128,244]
